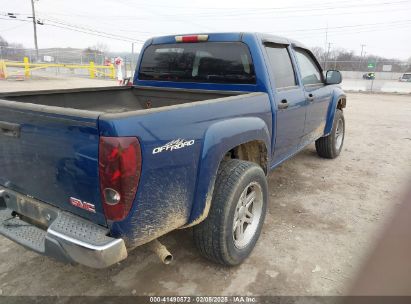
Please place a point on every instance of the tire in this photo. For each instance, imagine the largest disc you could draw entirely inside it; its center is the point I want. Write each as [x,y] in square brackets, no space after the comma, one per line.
[216,237]
[330,146]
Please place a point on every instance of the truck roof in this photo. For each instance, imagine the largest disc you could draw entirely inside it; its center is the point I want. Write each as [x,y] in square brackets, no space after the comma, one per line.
[230,36]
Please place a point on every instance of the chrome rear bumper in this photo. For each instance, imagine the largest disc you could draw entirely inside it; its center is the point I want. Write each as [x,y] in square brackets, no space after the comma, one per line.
[59,234]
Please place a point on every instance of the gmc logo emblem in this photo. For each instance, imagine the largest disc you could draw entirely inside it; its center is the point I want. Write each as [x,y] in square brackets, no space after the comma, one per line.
[83,205]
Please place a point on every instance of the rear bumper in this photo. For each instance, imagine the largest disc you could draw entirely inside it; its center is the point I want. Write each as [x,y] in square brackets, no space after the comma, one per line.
[52,232]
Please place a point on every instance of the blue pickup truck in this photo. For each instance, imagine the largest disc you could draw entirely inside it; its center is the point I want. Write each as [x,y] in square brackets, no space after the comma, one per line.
[86,175]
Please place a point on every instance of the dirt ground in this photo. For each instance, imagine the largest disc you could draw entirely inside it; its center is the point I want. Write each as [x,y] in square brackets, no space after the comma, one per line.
[53,83]
[323,217]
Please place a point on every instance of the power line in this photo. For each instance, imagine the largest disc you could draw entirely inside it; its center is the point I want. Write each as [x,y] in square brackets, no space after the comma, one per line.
[63,23]
[251,11]
[288,16]
[303,14]
[14,19]
[84,30]
[50,17]
[354,32]
[348,26]
[281,16]
[330,6]
[322,4]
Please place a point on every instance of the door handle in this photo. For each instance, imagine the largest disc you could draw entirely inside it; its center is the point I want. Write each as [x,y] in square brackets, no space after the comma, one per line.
[310,97]
[9,129]
[283,104]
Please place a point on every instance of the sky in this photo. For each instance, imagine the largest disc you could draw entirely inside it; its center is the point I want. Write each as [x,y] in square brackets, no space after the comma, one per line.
[383,26]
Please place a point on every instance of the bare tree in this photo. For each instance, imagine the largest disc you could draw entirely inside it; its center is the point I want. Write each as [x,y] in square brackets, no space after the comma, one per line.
[11,51]
[101,47]
[318,52]
[3,42]
[96,52]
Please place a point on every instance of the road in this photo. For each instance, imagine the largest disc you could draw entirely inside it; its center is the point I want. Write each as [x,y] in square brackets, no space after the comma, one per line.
[384,86]
[323,217]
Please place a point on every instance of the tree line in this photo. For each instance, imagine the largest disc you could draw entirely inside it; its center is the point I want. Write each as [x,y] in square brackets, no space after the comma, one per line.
[343,60]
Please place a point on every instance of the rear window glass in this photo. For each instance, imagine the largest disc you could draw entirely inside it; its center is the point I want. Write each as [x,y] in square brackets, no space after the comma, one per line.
[212,62]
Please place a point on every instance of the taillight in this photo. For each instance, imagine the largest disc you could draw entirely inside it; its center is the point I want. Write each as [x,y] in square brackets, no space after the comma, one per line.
[191,38]
[119,168]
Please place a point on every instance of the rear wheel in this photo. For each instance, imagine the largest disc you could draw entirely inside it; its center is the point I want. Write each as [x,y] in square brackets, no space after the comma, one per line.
[330,146]
[232,228]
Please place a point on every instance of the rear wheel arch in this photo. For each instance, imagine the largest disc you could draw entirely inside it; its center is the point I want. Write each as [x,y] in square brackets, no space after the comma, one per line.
[235,138]
[341,103]
[331,145]
[254,151]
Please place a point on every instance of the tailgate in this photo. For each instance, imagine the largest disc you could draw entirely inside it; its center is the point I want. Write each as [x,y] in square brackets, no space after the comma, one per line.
[51,156]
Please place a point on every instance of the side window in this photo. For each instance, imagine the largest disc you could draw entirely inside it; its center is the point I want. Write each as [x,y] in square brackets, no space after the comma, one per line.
[281,66]
[310,72]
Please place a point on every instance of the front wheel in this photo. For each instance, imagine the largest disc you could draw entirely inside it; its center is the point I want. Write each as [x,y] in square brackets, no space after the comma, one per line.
[232,228]
[330,146]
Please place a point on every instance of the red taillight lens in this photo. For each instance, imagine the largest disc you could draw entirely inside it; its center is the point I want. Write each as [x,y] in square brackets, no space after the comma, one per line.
[191,38]
[120,169]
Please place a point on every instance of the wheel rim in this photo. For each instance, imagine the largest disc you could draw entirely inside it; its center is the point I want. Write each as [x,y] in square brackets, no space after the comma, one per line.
[247,215]
[339,134]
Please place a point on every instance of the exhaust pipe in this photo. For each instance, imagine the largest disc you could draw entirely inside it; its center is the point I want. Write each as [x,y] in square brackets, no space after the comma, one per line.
[165,256]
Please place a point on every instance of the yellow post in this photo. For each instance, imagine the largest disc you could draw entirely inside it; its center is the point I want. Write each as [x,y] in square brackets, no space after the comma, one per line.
[92,70]
[3,70]
[112,71]
[26,67]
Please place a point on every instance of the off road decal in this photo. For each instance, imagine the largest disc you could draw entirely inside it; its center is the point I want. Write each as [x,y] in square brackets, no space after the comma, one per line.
[174,145]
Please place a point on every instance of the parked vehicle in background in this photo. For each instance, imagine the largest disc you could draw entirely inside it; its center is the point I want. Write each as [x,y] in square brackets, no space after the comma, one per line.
[89,174]
[406,77]
[368,76]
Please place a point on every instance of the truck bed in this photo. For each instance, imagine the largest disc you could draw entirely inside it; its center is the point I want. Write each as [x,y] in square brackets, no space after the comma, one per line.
[114,99]
[49,140]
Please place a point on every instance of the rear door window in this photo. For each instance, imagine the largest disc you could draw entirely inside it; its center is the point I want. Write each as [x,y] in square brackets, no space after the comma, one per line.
[211,62]
[281,66]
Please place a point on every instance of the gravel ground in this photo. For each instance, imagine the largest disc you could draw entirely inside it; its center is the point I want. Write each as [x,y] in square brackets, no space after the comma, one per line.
[323,217]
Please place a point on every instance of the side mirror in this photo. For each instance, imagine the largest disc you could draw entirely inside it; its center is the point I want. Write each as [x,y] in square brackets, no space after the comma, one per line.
[333,77]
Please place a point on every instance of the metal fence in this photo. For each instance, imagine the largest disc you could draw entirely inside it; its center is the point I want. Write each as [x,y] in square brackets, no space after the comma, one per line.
[23,70]
[58,59]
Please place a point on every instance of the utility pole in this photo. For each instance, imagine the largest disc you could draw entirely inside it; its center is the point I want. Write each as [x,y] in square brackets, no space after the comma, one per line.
[326,58]
[375,70]
[35,29]
[362,50]
[326,42]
